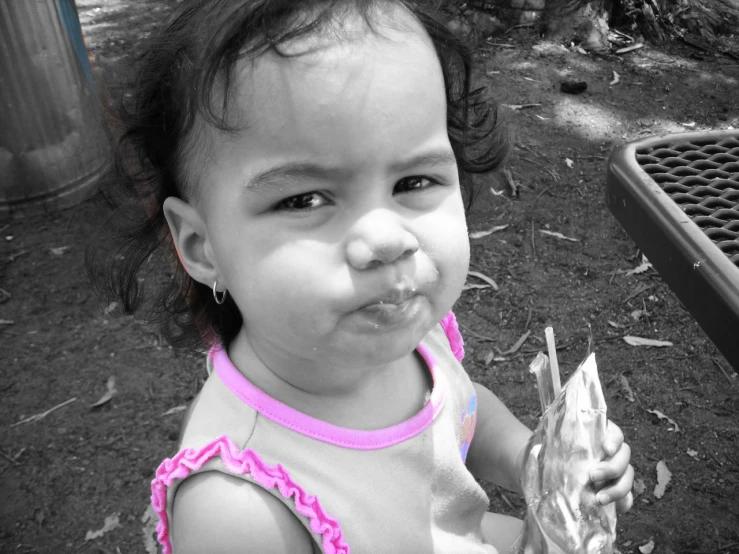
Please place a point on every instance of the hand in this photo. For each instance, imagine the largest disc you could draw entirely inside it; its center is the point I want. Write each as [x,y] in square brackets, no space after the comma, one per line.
[614,477]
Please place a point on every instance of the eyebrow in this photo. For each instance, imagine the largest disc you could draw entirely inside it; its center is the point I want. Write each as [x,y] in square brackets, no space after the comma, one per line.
[269,177]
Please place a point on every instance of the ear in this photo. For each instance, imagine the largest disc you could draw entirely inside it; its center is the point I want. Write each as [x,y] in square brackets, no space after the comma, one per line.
[190,238]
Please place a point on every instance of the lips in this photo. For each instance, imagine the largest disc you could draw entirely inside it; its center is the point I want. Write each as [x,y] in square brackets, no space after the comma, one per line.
[392,308]
[395,297]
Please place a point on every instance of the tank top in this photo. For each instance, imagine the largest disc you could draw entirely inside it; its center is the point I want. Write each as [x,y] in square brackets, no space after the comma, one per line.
[401,489]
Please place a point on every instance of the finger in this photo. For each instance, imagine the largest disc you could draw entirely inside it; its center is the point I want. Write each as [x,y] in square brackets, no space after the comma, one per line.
[613,467]
[624,504]
[614,439]
[619,490]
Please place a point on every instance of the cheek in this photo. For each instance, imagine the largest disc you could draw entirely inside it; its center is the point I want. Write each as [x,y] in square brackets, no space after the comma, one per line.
[452,241]
[287,285]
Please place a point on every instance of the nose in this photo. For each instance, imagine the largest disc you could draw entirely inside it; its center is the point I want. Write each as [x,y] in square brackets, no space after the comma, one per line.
[379,238]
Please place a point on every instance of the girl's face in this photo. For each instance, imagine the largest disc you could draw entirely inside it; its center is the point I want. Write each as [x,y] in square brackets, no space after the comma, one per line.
[335,216]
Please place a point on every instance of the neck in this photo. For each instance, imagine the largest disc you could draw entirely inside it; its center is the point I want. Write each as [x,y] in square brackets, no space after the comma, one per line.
[359,397]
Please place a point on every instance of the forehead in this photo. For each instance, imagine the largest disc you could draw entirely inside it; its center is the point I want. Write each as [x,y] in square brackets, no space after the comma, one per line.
[351,97]
[339,61]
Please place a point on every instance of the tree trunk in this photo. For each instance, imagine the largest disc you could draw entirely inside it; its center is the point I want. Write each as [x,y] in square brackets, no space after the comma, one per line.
[585,22]
[656,20]
[700,23]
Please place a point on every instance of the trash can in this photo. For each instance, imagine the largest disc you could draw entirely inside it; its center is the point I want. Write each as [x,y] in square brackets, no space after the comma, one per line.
[53,144]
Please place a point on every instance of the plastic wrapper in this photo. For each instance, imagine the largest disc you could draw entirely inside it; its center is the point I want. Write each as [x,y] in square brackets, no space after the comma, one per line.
[563,515]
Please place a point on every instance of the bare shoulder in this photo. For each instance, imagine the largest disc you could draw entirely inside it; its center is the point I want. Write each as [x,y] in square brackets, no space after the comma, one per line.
[216,513]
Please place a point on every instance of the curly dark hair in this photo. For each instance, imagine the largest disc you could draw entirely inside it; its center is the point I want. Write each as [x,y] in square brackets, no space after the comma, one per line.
[186,61]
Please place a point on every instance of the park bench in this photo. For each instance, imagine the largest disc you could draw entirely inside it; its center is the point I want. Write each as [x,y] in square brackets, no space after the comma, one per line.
[677,196]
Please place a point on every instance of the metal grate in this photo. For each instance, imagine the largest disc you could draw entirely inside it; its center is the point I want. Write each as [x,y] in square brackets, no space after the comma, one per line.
[702,177]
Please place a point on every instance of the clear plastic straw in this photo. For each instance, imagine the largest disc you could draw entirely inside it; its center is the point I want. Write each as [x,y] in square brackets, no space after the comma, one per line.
[553,365]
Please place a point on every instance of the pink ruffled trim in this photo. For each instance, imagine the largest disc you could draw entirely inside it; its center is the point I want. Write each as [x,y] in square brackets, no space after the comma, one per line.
[449,324]
[240,462]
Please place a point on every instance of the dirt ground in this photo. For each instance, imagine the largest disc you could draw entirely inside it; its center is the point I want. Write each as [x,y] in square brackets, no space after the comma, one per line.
[84,469]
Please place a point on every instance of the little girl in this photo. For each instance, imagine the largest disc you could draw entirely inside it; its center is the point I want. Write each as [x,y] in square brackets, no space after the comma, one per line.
[310,161]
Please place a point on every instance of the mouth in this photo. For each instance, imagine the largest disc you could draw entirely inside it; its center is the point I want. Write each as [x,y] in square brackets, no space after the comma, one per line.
[396,298]
[394,308]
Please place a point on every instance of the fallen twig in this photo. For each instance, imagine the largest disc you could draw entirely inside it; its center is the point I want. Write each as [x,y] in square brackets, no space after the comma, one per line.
[541,193]
[37,417]
[519,26]
[629,48]
[589,157]
[721,367]
[520,106]
[13,257]
[11,460]
[518,344]
[511,182]
[541,165]
[477,335]
[637,291]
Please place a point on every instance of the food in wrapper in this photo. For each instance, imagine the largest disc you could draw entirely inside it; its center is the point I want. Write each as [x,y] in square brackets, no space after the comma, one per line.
[563,515]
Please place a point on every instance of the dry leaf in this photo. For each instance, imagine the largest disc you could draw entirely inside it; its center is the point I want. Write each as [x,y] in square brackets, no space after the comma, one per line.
[569,163]
[639,487]
[480,234]
[557,235]
[664,476]
[616,79]
[111,522]
[647,548]
[636,315]
[639,269]
[520,106]
[468,286]
[660,415]
[627,389]
[616,325]
[639,341]
[60,250]
[109,394]
[693,453]
[149,530]
[175,410]
[497,192]
[689,125]
[483,277]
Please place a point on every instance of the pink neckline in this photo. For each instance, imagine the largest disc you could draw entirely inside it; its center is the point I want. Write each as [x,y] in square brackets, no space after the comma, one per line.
[304,424]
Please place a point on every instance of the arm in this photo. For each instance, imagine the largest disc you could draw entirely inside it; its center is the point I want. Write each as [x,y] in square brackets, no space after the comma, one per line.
[496,452]
[219,514]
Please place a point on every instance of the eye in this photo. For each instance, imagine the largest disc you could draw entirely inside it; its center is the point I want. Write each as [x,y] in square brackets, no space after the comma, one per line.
[415,183]
[302,202]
